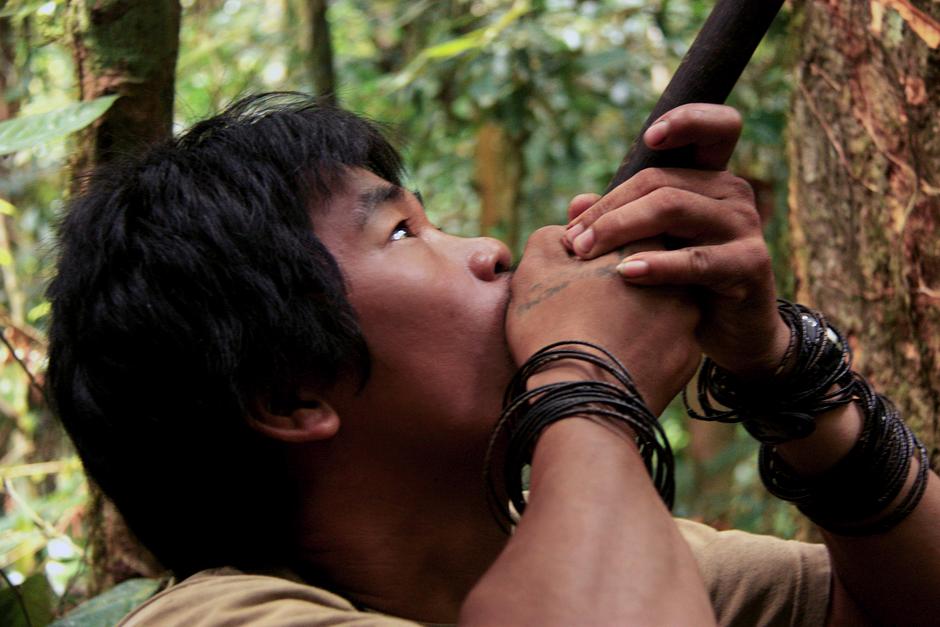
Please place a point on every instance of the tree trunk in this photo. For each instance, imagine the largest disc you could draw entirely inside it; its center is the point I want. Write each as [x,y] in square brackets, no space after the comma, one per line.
[499,171]
[865,190]
[10,96]
[321,52]
[127,48]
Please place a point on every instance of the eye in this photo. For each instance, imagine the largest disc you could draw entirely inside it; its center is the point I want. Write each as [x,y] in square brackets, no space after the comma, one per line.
[401,231]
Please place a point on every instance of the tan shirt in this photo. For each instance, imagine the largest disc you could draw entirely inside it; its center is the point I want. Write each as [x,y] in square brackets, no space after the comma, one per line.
[752,580]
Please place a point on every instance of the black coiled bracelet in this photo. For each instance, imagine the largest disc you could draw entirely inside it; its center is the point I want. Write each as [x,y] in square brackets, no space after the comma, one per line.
[526,414]
[815,376]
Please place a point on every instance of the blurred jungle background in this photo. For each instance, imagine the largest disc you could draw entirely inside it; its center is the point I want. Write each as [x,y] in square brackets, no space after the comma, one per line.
[504,110]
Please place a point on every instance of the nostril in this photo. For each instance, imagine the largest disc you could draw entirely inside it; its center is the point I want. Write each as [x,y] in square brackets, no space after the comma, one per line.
[501,267]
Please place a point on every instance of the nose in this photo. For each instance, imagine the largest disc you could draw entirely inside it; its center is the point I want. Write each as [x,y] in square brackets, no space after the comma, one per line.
[488,258]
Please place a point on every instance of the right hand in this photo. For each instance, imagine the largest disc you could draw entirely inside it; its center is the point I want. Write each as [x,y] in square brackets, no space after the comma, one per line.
[557,297]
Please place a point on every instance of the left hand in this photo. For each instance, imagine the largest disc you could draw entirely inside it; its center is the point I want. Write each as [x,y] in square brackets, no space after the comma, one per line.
[712,216]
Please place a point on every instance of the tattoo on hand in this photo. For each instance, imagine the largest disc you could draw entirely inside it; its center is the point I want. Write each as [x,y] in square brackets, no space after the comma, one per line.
[540,292]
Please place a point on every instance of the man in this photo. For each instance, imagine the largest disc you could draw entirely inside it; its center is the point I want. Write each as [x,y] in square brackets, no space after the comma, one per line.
[280,370]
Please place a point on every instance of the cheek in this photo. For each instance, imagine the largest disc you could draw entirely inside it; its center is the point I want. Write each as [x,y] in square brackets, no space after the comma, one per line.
[428,328]
[422,317]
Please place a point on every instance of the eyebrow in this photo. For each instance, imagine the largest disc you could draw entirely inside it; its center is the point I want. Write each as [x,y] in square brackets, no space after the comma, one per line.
[371,199]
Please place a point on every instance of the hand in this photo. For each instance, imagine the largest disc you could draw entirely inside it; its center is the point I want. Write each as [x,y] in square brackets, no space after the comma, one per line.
[557,297]
[711,220]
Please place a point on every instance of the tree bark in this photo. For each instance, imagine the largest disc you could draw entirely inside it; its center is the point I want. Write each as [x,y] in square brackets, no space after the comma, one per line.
[10,97]
[322,70]
[865,190]
[499,171]
[128,48]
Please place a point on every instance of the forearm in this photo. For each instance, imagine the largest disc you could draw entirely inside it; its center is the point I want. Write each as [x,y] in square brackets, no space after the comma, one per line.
[894,576]
[595,546]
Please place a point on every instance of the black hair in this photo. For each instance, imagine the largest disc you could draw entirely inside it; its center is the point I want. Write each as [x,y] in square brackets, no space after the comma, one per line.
[190,287]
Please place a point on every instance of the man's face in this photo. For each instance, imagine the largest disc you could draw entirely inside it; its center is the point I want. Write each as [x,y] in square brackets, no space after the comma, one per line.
[431,307]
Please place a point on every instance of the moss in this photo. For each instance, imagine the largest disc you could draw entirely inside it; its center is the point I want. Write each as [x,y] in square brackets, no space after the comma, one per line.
[128,37]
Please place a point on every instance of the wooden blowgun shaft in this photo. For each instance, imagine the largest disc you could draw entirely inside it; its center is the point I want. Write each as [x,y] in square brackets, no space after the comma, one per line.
[708,72]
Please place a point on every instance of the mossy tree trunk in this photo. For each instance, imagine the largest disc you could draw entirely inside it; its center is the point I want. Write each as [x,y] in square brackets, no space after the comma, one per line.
[499,171]
[128,48]
[865,190]
[322,70]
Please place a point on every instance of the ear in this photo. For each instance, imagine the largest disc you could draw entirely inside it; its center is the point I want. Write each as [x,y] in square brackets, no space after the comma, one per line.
[307,420]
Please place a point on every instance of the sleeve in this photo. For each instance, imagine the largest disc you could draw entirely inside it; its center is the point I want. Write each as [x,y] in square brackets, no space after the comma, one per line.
[759,580]
[237,599]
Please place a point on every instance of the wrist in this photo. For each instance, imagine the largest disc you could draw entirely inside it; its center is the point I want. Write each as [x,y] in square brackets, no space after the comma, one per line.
[772,361]
[567,370]
[836,433]
[601,393]
[573,438]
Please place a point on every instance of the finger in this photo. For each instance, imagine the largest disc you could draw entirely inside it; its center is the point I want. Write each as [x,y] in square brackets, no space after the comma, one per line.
[712,130]
[726,269]
[668,211]
[581,203]
[719,185]
[675,213]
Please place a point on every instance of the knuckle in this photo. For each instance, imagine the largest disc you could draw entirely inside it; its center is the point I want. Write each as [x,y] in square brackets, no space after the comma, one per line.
[601,207]
[741,188]
[684,114]
[759,256]
[651,179]
[749,217]
[592,215]
[699,262]
[670,203]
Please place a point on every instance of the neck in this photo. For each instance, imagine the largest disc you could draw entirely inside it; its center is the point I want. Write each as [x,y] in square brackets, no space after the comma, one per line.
[406,539]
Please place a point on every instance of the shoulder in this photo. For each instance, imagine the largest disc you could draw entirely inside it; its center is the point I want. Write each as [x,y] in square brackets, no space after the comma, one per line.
[761,580]
[227,596]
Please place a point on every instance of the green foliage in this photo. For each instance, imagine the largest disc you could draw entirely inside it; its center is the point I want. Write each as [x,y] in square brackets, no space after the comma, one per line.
[108,608]
[29,131]
[29,604]
[21,8]
[570,82]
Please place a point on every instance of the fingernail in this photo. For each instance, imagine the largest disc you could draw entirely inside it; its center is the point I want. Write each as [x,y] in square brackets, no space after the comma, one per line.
[573,231]
[633,269]
[584,242]
[656,134]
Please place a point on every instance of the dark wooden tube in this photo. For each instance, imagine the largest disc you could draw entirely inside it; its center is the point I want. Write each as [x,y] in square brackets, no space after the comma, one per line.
[708,72]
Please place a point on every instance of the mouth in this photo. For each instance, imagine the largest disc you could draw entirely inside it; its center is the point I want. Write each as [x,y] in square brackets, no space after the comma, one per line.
[506,277]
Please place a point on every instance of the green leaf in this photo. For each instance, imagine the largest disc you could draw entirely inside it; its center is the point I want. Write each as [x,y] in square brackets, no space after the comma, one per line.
[37,599]
[474,40]
[39,311]
[110,607]
[456,46]
[19,9]
[31,130]
[7,208]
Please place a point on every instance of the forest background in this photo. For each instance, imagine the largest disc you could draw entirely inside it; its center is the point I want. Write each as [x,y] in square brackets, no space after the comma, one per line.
[504,109]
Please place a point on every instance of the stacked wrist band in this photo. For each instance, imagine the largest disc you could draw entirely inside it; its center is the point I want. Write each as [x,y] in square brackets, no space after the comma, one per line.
[526,413]
[851,497]
[815,376]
